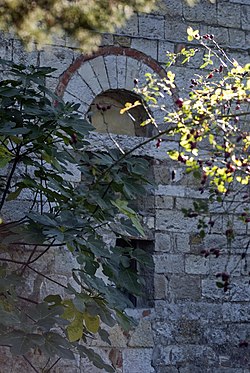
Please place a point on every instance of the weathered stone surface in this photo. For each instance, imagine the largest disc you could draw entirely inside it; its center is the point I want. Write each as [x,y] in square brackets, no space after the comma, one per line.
[164,242]
[143,335]
[197,265]
[146,46]
[184,287]
[151,27]
[194,326]
[137,360]
[169,263]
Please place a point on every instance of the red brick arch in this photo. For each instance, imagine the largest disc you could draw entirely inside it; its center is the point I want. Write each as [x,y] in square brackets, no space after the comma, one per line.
[108,51]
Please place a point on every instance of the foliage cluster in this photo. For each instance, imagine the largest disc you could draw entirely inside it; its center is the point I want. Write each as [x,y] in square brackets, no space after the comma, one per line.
[40,21]
[43,145]
[210,126]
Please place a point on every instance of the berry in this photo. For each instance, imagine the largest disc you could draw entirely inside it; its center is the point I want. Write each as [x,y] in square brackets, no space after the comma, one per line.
[179,102]
[210,76]
[225,276]
[158,143]
[182,159]
[73,139]
[243,344]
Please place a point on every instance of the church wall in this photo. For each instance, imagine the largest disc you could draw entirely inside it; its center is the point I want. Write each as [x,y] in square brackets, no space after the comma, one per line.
[193,326]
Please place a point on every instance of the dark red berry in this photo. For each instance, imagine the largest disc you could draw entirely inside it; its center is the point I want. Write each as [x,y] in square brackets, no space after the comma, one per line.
[243,344]
[158,143]
[179,102]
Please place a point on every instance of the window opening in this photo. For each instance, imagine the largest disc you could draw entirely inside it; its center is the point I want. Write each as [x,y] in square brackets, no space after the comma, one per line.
[104,114]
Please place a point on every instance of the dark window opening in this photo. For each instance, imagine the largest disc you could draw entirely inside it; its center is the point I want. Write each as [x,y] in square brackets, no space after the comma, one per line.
[143,271]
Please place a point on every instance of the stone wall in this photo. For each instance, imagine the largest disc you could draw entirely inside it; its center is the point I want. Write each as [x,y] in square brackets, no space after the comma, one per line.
[193,326]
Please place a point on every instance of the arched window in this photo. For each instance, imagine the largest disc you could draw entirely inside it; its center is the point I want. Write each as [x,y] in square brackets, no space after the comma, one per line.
[104,114]
[106,78]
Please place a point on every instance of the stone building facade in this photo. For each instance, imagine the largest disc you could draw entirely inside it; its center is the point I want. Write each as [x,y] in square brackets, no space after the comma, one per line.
[192,326]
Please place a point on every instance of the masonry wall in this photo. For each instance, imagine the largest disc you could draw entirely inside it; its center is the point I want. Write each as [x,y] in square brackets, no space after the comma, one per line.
[193,327]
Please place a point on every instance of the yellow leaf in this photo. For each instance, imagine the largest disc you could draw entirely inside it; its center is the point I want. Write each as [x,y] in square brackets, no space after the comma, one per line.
[129,106]
[92,323]
[69,310]
[75,329]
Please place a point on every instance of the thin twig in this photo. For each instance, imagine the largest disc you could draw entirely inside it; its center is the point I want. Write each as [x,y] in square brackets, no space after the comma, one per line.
[52,366]
[47,278]
[32,366]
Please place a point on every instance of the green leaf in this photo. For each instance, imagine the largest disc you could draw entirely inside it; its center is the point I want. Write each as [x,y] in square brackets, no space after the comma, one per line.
[124,209]
[21,342]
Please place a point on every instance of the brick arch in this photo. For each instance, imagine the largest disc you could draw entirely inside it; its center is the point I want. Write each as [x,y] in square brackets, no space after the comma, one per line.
[109,68]
[108,52]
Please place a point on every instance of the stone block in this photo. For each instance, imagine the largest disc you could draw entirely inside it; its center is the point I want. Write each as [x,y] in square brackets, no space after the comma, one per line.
[237,38]
[122,41]
[121,71]
[56,57]
[21,56]
[79,91]
[151,27]
[162,202]
[163,48]
[160,284]
[188,310]
[242,57]
[184,203]
[169,263]
[130,28]
[182,243]
[142,336]
[212,292]
[229,15]
[196,265]
[149,47]
[107,39]
[88,76]
[221,34]
[137,360]
[174,221]
[177,31]
[132,73]
[172,8]
[185,287]
[236,312]
[203,12]
[164,242]
[245,17]
[99,69]
[231,264]
[111,63]
[181,355]
[6,46]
